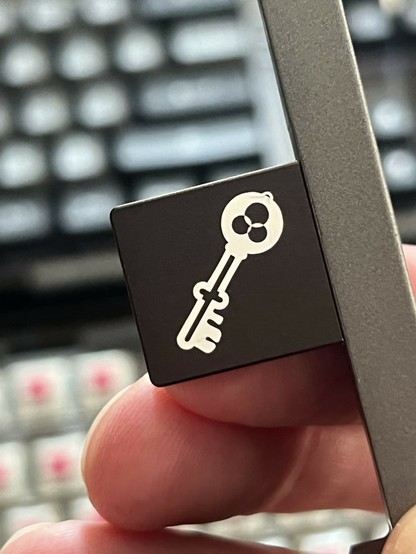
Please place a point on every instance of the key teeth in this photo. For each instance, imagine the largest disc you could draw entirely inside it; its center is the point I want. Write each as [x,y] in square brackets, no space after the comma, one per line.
[206,346]
[214,334]
[216,318]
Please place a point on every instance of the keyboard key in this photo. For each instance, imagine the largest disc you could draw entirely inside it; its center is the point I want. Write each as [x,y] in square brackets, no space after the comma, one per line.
[22,163]
[333,541]
[101,376]
[6,125]
[20,517]
[8,18]
[23,219]
[180,8]
[138,149]
[82,509]
[57,465]
[87,209]
[13,471]
[79,156]
[408,14]
[42,393]
[44,111]
[45,16]
[59,274]
[392,118]
[368,22]
[6,417]
[24,63]
[190,94]
[198,42]
[138,49]
[400,170]
[103,104]
[104,12]
[158,186]
[82,56]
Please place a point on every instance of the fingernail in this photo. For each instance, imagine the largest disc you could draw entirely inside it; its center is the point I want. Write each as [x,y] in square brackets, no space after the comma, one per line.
[403,537]
[26,531]
[95,425]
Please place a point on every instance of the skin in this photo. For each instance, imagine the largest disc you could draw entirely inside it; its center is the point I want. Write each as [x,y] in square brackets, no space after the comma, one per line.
[280,437]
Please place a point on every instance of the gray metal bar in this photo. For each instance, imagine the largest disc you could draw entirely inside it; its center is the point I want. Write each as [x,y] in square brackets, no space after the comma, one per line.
[319,77]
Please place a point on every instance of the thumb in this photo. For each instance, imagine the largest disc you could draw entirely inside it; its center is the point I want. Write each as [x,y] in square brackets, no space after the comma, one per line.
[403,538]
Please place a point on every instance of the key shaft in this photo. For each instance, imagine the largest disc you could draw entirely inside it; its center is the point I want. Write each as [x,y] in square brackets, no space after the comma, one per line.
[198,331]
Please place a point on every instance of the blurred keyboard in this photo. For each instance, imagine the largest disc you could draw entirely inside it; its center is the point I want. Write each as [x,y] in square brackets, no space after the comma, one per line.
[104,102]
[47,402]
[108,101]
[384,35]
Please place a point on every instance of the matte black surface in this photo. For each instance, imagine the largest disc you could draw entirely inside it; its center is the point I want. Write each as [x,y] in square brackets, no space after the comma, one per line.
[372,547]
[319,77]
[280,301]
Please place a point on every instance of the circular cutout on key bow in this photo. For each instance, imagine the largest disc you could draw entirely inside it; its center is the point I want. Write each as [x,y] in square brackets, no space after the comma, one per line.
[257,213]
[252,223]
[241,226]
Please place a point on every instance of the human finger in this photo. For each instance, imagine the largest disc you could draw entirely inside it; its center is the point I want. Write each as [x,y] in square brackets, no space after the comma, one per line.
[90,538]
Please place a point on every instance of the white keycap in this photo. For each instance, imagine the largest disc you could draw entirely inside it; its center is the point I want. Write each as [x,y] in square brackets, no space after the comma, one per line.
[13,473]
[392,118]
[22,163]
[42,392]
[400,170]
[6,124]
[57,465]
[44,111]
[47,15]
[87,209]
[24,63]
[169,146]
[103,104]
[6,417]
[408,14]
[138,49]
[82,509]
[20,517]
[153,187]
[192,93]
[8,17]
[368,22]
[104,12]
[101,375]
[82,56]
[207,41]
[79,156]
[23,218]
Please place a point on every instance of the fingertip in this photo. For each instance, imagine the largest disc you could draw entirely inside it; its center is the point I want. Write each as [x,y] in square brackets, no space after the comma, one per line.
[403,538]
[23,539]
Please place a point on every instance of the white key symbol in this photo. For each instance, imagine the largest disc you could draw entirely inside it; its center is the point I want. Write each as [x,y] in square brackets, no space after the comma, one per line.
[244,237]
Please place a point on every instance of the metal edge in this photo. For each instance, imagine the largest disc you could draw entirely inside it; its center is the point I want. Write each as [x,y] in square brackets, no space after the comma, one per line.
[319,78]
